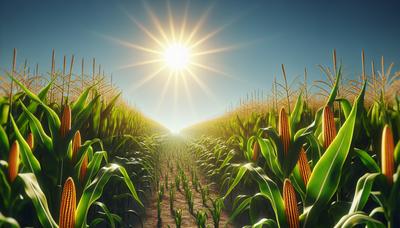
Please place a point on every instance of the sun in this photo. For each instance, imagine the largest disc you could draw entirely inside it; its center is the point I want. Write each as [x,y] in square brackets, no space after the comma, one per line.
[178,51]
[177,56]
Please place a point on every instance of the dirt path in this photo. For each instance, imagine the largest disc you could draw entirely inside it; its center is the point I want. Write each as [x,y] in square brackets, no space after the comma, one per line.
[180,202]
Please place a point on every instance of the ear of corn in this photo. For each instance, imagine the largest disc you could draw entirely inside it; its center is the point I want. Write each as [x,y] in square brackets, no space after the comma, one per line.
[328,126]
[387,150]
[82,173]
[30,140]
[76,144]
[65,121]
[256,150]
[284,130]
[291,211]
[13,161]
[68,205]
[304,167]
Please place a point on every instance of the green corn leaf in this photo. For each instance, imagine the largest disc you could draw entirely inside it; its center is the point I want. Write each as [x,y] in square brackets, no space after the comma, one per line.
[326,174]
[265,223]
[267,187]
[93,165]
[82,117]
[4,144]
[79,104]
[109,107]
[335,88]
[397,154]
[295,116]
[52,115]
[37,129]
[8,222]
[94,190]
[273,135]
[267,151]
[367,160]
[363,190]
[358,218]
[35,193]
[107,213]
[346,106]
[28,159]
[5,189]
[239,209]
[33,105]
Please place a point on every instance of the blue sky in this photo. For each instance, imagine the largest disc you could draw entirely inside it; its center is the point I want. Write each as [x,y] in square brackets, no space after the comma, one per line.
[265,33]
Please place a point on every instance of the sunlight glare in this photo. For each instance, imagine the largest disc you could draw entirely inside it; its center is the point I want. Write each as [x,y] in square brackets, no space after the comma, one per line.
[177,56]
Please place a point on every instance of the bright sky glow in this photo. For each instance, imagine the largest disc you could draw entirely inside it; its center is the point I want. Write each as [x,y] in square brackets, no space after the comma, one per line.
[177,56]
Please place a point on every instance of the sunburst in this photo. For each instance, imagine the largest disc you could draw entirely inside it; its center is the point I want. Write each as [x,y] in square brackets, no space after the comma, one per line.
[177,51]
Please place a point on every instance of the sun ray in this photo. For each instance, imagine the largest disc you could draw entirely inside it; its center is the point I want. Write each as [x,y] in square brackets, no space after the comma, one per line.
[184,21]
[209,68]
[164,91]
[156,22]
[171,21]
[198,25]
[201,84]
[188,94]
[132,45]
[146,31]
[141,63]
[148,78]
[215,50]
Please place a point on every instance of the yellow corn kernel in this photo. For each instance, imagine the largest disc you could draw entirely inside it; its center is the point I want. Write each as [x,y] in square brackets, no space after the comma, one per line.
[284,130]
[305,170]
[82,173]
[289,198]
[387,150]
[328,126]
[68,205]
[65,121]
[30,141]
[76,145]
[13,161]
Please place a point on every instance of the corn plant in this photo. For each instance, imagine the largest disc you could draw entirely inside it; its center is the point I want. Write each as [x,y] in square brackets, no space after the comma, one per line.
[178,217]
[171,198]
[201,219]
[216,210]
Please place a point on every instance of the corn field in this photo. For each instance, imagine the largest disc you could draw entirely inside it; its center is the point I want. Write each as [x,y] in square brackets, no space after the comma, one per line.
[74,154]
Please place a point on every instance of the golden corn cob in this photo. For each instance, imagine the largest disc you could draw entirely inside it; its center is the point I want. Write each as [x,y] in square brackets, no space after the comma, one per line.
[82,173]
[305,170]
[76,145]
[256,150]
[284,130]
[387,150]
[289,198]
[13,161]
[68,205]
[328,126]
[30,141]
[65,121]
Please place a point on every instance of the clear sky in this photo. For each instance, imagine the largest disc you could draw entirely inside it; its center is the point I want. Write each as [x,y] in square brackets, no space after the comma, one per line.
[253,39]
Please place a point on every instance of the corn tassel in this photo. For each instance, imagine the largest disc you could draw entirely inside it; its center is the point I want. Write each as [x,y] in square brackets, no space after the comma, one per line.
[68,205]
[305,170]
[13,161]
[328,126]
[284,130]
[76,145]
[84,165]
[387,150]
[256,150]
[30,141]
[65,121]
[291,211]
